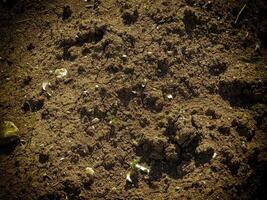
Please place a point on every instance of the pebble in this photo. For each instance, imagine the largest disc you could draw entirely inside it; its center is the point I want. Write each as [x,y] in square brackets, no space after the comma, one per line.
[169,52]
[85,93]
[89,171]
[169,96]
[95,120]
[214,155]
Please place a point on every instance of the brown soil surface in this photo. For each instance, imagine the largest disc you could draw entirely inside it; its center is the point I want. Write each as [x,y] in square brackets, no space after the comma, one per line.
[180,84]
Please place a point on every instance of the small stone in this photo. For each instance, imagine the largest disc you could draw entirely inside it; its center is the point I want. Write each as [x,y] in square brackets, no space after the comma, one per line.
[60,73]
[214,155]
[89,171]
[85,93]
[169,96]
[95,120]
[170,53]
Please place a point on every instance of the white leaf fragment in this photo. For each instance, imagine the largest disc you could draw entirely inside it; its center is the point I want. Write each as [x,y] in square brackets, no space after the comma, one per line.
[45,84]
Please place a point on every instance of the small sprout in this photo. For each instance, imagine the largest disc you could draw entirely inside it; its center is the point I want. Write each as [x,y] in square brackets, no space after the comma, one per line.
[144,83]
[136,166]
[142,168]
[8,130]
[134,162]
[112,120]
[257,47]
[60,73]
[128,177]
[89,171]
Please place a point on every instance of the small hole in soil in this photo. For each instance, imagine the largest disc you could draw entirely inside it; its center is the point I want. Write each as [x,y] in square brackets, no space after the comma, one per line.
[66,13]
[30,47]
[43,158]
[32,105]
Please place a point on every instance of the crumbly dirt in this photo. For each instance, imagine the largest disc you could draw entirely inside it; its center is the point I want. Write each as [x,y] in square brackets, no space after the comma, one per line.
[180,84]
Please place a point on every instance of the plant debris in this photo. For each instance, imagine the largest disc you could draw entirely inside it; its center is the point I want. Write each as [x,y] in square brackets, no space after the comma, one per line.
[240,12]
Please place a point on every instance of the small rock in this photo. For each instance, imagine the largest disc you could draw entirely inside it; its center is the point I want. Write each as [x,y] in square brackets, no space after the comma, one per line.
[169,96]
[95,120]
[169,53]
[60,73]
[89,171]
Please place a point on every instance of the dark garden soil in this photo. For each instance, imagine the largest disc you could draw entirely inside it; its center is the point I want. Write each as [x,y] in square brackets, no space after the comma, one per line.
[179,84]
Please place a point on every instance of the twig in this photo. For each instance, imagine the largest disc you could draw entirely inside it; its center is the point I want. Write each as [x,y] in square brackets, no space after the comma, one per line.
[24,20]
[240,12]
